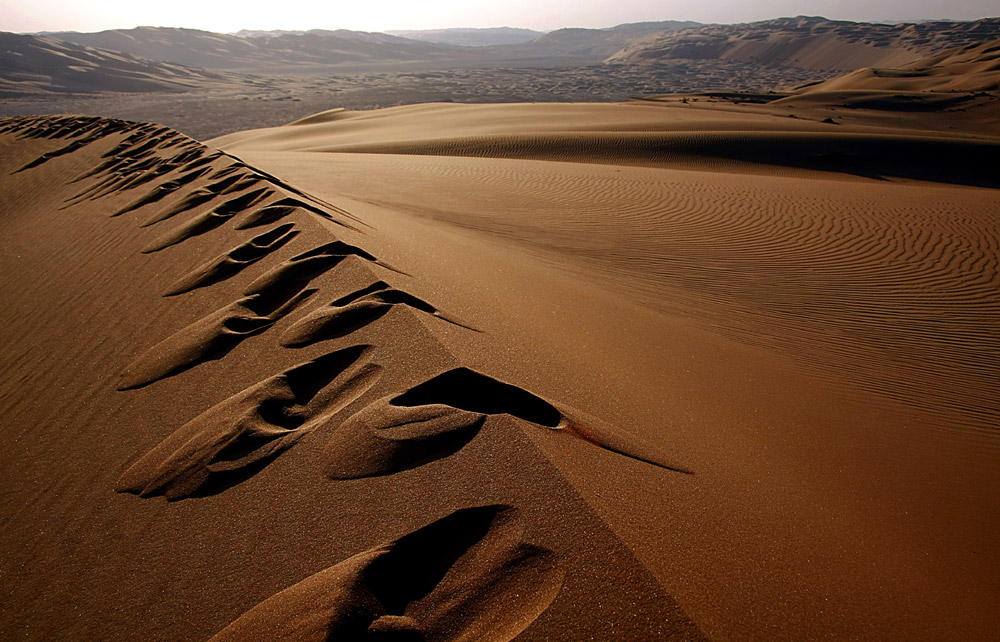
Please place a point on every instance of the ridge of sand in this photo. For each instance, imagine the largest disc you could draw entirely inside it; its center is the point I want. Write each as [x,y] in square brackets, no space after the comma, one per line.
[135,365]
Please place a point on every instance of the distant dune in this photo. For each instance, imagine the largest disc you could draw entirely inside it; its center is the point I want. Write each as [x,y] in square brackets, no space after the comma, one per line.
[45,64]
[167,59]
[221,51]
[973,67]
[262,50]
[812,42]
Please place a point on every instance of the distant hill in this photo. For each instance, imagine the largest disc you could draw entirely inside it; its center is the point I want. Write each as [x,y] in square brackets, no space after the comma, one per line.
[810,42]
[252,50]
[221,51]
[471,37]
[257,33]
[590,45]
[974,67]
[45,64]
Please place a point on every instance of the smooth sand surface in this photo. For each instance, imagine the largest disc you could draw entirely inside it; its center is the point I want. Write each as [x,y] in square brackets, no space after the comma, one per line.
[819,342]
[644,371]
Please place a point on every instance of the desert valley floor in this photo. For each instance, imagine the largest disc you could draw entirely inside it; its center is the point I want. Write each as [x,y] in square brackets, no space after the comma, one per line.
[657,370]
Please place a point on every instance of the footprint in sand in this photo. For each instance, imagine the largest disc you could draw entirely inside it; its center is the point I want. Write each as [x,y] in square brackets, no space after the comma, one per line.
[467,577]
[234,261]
[266,300]
[238,437]
[355,310]
[209,220]
[439,416]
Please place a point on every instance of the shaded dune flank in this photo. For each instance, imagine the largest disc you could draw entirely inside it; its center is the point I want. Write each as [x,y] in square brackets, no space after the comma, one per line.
[871,156]
[638,134]
[169,202]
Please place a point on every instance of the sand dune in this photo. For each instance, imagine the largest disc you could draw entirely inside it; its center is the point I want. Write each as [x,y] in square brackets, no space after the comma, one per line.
[635,134]
[847,258]
[199,48]
[973,68]
[34,64]
[250,440]
[812,42]
[804,258]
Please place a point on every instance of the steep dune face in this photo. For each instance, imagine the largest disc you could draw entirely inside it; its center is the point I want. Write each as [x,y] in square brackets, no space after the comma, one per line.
[156,368]
[812,43]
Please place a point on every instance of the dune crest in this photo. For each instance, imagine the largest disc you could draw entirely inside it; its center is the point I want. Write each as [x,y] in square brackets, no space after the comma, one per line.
[238,434]
[235,260]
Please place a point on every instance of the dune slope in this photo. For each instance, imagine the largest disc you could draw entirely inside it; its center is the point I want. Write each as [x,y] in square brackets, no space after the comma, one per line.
[974,68]
[183,326]
[804,309]
[661,372]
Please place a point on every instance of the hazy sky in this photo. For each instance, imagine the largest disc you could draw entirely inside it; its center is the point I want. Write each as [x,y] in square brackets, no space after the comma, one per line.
[379,15]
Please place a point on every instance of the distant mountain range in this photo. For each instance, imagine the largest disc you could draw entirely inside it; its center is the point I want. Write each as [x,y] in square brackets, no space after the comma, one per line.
[588,45]
[260,51]
[163,59]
